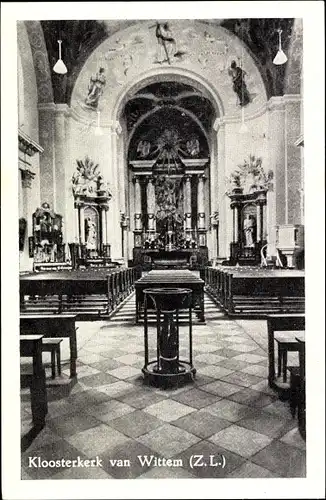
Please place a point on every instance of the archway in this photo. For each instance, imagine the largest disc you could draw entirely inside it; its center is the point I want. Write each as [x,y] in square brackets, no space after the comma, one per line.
[167,134]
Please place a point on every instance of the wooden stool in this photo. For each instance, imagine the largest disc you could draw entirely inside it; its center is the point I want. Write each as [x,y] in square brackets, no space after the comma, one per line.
[294,388]
[52,345]
[284,346]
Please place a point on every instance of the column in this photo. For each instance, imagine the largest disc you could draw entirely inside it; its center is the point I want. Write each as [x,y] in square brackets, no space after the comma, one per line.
[236,224]
[81,225]
[258,218]
[187,205]
[60,158]
[69,215]
[292,104]
[277,160]
[111,173]
[219,127]
[151,206]
[103,224]
[201,211]
[137,215]
[264,222]
[107,232]
[46,116]
[77,233]
[201,202]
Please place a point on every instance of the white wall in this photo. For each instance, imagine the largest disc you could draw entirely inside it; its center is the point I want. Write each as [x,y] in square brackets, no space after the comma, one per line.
[29,198]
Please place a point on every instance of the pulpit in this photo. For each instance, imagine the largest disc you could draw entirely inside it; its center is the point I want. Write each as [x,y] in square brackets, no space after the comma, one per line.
[290,241]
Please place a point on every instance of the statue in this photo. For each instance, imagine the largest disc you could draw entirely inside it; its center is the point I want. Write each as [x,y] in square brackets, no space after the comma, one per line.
[91,234]
[143,148]
[239,84]
[95,88]
[248,228]
[193,146]
[166,43]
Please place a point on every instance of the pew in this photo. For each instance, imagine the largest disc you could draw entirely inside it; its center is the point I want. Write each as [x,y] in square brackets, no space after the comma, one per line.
[86,293]
[53,325]
[31,346]
[254,291]
[277,323]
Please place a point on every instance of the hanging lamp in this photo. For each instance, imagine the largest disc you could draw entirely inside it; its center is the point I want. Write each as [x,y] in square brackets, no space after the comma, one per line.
[60,66]
[280,57]
[98,130]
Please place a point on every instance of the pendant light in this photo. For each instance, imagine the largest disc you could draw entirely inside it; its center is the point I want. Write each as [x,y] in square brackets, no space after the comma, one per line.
[98,130]
[60,66]
[280,57]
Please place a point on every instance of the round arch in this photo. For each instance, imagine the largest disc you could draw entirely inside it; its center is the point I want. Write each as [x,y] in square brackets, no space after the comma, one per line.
[153,111]
[40,60]
[168,74]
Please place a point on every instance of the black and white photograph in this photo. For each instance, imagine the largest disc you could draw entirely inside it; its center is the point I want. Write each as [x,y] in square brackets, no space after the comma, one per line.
[162,250]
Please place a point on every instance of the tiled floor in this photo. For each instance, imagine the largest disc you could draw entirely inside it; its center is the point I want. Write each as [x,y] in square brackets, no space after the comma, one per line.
[228,415]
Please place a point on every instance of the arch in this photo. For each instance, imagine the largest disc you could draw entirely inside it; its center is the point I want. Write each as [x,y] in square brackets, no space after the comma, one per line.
[130,63]
[167,74]
[157,108]
[40,60]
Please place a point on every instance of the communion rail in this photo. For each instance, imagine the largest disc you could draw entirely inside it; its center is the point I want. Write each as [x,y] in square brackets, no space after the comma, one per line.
[255,292]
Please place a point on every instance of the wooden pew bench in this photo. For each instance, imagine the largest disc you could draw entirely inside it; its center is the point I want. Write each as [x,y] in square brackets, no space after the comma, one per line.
[280,323]
[53,325]
[31,346]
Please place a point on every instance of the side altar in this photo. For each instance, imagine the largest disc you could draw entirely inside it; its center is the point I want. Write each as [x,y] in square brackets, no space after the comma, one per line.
[249,185]
[91,203]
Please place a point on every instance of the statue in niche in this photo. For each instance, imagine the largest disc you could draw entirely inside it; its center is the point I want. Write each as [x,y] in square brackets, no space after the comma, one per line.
[239,84]
[143,148]
[95,88]
[249,228]
[192,146]
[91,237]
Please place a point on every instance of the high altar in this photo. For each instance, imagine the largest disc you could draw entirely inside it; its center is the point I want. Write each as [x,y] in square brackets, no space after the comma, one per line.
[167,183]
[169,219]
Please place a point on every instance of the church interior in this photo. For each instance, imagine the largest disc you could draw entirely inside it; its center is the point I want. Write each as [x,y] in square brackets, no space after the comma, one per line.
[161,246]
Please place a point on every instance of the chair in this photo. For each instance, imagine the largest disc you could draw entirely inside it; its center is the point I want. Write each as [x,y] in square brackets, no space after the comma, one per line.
[52,345]
[284,345]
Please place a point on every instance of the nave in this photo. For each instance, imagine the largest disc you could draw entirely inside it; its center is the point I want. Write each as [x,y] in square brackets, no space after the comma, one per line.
[228,410]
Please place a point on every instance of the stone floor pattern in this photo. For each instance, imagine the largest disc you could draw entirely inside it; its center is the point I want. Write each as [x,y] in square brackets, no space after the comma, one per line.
[228,410]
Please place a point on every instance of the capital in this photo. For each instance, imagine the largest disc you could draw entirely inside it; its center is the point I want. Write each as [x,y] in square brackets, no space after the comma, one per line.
[219,123]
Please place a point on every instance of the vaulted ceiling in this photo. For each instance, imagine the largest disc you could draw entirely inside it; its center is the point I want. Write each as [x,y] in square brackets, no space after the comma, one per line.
[80,38]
